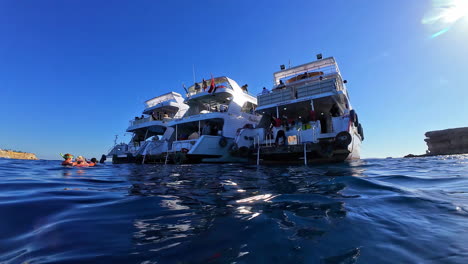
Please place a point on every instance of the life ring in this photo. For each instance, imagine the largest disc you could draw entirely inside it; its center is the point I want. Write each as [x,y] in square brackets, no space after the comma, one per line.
[222,142]
[352,116]
[343,139]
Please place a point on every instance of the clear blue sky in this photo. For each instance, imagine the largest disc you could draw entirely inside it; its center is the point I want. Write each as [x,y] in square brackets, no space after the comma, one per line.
[72,73]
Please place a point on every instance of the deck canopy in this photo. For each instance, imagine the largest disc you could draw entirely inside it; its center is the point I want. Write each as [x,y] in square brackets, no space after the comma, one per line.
[168,106]
[320,67]
[169,97]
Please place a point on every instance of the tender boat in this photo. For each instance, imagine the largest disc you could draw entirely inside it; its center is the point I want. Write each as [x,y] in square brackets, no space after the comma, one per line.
[147,128]
[206,133]
[307,117]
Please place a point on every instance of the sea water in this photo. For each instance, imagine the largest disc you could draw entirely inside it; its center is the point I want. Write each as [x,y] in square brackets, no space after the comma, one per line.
[368,211]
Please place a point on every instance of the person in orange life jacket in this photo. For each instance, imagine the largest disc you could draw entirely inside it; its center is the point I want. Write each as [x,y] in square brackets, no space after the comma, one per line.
[80,161]
[92,162]
[68,159]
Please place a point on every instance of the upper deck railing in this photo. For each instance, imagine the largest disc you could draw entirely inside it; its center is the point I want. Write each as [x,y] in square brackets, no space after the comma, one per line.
[205,86]
[151,118]
[326,66]
[301,89]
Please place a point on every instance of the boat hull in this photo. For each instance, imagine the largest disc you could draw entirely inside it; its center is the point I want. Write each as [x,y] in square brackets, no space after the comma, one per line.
[122,159]
[324,151]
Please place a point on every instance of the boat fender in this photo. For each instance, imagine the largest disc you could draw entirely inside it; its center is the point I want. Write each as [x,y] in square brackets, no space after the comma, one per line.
[222,142]
[343,138]
[353,117]
[361,131]
[184,150]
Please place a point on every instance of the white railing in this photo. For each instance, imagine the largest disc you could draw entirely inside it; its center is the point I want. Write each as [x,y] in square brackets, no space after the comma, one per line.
[301,89]
[135,122]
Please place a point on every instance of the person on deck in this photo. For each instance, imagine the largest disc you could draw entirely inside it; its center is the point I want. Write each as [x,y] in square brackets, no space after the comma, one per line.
[334,110]
[206,129]
[155,115]
[282,135]
[197,88]
[244,88]
[265,91]
[223,108]
[281,85]
[204,85]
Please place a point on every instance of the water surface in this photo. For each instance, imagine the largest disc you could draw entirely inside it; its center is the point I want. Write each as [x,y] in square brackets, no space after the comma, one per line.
[368,211]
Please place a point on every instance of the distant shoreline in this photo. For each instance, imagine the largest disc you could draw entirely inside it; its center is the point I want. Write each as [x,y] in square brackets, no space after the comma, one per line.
[11,154]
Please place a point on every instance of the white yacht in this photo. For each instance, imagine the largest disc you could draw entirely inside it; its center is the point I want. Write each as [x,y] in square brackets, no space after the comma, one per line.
[147,128]
[217,109]
[307,117]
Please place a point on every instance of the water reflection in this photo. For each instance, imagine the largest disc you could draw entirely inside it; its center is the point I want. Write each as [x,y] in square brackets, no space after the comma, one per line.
[195,202]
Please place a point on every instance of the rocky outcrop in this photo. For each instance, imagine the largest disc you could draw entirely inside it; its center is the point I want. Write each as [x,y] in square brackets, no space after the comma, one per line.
[448,141]
[10,154]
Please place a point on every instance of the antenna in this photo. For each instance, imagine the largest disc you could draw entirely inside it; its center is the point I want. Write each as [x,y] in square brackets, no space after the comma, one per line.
[193,69]
[115,140]
[289,64]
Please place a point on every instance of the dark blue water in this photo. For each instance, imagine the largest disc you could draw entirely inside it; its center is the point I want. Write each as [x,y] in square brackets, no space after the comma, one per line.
[368,211]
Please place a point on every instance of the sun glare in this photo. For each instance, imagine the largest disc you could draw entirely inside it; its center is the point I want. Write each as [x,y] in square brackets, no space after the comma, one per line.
[444,14]
[455,11]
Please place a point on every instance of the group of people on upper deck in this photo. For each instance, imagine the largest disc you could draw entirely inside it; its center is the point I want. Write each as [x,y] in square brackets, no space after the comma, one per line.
[303,76]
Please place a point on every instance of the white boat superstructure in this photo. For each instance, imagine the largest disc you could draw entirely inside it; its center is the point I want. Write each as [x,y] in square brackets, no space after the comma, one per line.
[150,126]
[307,117]
[217,109]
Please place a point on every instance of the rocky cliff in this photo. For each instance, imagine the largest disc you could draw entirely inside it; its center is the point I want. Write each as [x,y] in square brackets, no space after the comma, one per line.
[448,141]
[9,154]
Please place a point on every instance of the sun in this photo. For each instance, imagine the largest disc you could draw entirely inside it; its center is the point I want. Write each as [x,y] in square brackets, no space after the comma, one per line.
[454,10]
[445,14]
